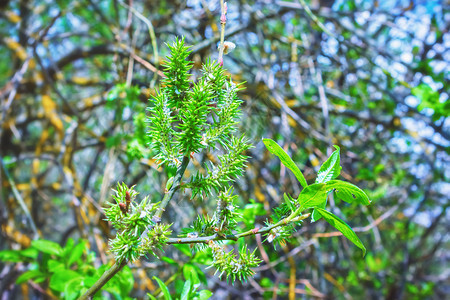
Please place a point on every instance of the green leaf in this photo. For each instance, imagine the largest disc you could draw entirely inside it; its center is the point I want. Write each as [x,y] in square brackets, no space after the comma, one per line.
[184,249]
[274,148]
[76,253]
[169,260]
[187,288]
[190,273]
[250,211]
[68,248]
[18,255]
[31,274]
[59,280]
[125,281]
[340,225]
[151,297]
[289,201]
[163,288]
[312,196]
[113,141]
[204,295]
[29,253]
[330,169]
[72,289]
[48,247]
[89,281]
[55,266]
[10,255]
[315,215]
[201,275]
[348,192]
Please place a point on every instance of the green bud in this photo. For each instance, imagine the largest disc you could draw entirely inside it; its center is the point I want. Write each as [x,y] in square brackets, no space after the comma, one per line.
[169,184]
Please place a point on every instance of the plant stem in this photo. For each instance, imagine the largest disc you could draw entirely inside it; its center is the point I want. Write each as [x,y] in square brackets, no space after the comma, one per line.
[103,280]
[118,266]
[20,199]
[175,186]
[223,21]
[216,237]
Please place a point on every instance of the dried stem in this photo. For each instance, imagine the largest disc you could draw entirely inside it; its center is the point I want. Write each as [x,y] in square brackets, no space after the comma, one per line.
[223,21]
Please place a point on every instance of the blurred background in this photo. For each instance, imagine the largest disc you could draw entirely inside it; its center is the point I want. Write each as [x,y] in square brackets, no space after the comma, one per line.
[369,76]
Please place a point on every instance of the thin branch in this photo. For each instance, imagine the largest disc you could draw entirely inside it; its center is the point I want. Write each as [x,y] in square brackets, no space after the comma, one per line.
[19,199]
[175,186]
[254,231]
[223,22]
[103,280]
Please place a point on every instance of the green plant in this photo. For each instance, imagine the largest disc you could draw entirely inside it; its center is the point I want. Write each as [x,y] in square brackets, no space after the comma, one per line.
[67,271]
[189,117]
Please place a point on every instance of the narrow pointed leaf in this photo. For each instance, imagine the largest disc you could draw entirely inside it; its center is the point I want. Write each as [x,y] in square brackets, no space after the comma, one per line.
[187,288]
[340,225]
[274,148]
[348,192]
[163,288]
[331,168]
[315,215]
[47,246]
[288,201]
[151,297]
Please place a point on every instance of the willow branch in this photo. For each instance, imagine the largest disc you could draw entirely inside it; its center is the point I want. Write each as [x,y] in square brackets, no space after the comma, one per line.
[103,280]
[254,231]
[175,186]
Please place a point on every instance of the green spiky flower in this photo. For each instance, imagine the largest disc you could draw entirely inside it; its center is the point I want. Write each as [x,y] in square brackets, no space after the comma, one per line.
[232,266]
[132,219]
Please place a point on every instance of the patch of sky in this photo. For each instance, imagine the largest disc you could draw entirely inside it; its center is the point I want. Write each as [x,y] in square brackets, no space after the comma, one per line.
[323,60]
[439,48]
[381,61]
[195,4]
[331,46]
[406,57]
[356,40]
[440,140]
[446,39]
[423,30]
[434,85]
[425,218]
[421,171]
[362,17]
[377,95]
[351,79]
[252,38]
[375,26]
[330,26]
[395,45]
[401,144]
[360,62]
[276,68]
[379,128]
[412,101]
[209,32]
[346,22]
